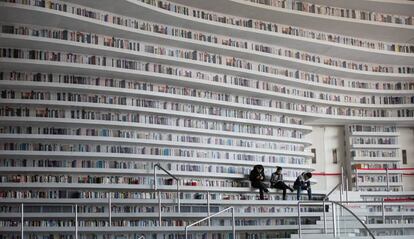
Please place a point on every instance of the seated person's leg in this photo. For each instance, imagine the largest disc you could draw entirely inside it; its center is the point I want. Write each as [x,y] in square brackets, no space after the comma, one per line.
[309,193]
[282,186]
[298,190]
[261,193]
[263,187]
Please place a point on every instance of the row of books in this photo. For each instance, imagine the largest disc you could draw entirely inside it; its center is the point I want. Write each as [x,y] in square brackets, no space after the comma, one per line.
[226,60]
[260,25]
[144,222]
[373,153]
[163,69]
[108,115]
[187,208]
[304,56]
[199,93]
[190,123]
[273,104]
[391,208]
[227,79]
[168,106]
[204,94]
[374,140]
[143,180]
[211,110]
[147,222]
[140,150]
[293,120]
[37,178]
[160,120]
[380,189]
[98,194]
[373,128]
[249,100]
[375,165]
[379,178]
[206,140]
[325,10]
[129,164]
[131,101]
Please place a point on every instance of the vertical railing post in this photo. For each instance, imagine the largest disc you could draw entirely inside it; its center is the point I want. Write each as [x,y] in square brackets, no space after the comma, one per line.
[155,178]
[387,178]
[22,220]
[159,209]
[383,211]
[324,217]
[346,190]
[333,220]
[233,221]
[178,197]
[341,189]
[110,208]
[76,221]
[299,222]
[208,208]
[356,180]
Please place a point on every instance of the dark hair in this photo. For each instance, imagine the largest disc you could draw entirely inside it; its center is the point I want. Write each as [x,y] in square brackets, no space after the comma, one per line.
[278,168]
[257,167]
[308,174]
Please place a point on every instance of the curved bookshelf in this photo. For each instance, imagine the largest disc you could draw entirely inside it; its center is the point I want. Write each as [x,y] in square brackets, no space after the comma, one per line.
[399,7]
[33,65]
[353,27]
[300,43]
[13,41]
[152,94]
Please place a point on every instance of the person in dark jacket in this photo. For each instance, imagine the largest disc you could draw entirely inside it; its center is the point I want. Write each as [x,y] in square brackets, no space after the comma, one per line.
[256,178]
[302,183]
[276,181]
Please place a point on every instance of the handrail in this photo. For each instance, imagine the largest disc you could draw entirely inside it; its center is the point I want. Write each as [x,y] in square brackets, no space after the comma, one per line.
[157,165]
[353,214]
[334,220]
[213,215]
[330,192]
[166,171]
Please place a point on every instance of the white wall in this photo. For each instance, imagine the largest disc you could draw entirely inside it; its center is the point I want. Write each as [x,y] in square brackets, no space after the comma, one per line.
[324,139]
[407,142]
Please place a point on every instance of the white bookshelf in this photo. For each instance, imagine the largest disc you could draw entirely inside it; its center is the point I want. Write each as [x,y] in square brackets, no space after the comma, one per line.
[354,27]
[370,169]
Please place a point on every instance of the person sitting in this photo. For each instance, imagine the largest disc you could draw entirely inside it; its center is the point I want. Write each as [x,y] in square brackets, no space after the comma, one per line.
[256,178]
[276,181]
[302,183]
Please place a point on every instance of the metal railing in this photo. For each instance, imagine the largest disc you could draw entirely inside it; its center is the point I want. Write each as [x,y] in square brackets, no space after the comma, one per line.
[335,224]
[157,165]
[324,208]
[213,215]
[75,207]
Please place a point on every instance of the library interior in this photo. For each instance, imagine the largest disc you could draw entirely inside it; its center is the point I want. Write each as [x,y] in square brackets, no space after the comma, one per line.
[196,119]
